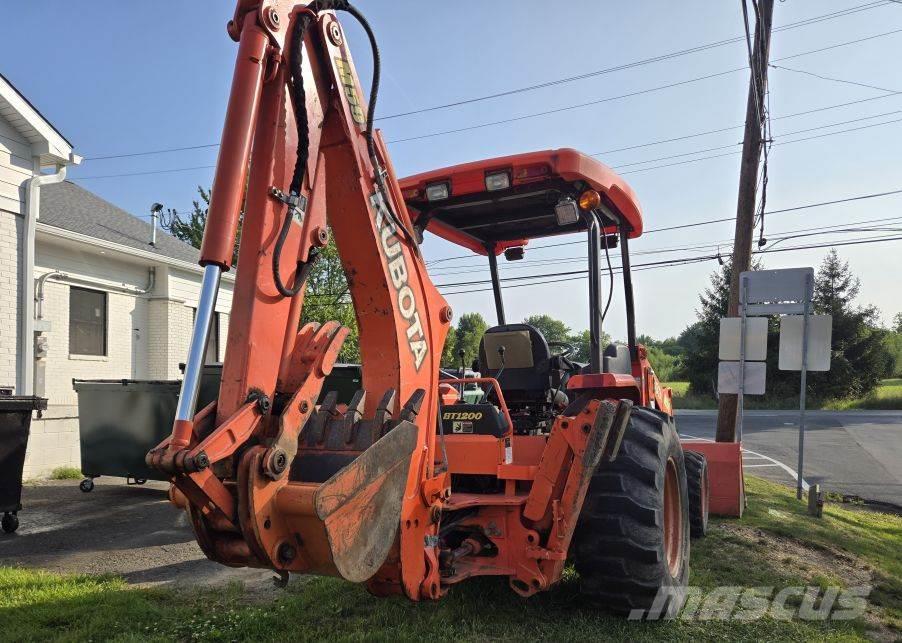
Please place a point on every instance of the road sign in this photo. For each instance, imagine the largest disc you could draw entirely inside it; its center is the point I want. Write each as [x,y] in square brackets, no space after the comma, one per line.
[820,331]
[776,286]
[755,338]
[729,377]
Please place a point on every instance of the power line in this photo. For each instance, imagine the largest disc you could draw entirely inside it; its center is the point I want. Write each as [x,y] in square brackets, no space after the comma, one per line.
[114,176]
[731,145]
[703,158]
[565,108]
[798,140]
[660,265]
[637,63]
[777,237]
[557,110]
[577,275]
[806,206]
[835,80]
[162,151]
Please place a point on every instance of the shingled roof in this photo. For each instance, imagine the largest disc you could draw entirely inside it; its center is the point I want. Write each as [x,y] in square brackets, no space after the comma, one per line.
[70,207]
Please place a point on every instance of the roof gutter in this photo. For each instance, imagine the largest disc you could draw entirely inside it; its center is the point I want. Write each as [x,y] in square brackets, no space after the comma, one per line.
[25,368]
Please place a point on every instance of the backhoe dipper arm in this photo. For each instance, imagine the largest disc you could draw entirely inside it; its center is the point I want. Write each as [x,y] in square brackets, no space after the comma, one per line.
[298,151]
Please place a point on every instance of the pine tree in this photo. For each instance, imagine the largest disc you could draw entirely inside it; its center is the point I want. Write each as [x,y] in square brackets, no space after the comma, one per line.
[858,354]
[191,229]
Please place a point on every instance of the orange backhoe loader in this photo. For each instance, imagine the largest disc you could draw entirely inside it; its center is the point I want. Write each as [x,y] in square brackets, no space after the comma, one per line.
[406,487]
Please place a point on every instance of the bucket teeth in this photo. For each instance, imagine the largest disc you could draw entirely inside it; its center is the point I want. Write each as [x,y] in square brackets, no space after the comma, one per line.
[412,406]
[332,439]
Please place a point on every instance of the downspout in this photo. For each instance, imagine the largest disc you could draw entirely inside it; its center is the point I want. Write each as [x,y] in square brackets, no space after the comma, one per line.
[25,370]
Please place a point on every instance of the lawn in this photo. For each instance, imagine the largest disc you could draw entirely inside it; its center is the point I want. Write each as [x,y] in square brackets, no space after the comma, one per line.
[775,544]
[887,396]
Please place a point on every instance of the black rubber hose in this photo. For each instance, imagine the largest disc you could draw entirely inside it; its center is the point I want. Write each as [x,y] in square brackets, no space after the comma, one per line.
[299,100]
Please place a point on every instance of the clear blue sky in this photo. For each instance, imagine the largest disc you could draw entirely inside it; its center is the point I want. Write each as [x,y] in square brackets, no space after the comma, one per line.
[120,77]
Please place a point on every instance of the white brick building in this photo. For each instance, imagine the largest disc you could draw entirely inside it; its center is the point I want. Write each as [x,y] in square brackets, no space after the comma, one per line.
[107,303]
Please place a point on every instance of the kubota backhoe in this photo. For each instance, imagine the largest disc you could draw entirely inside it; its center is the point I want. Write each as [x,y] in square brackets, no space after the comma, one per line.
[408,488]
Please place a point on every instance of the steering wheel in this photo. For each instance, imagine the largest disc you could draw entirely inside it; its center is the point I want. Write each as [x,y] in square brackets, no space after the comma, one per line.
[567,349]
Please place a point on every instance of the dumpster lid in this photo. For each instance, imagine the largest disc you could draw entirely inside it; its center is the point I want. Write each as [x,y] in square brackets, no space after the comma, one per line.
[22,403]
[88,384]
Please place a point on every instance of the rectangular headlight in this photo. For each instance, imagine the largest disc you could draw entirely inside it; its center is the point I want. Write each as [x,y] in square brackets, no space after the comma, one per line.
[437,191]
[497,181]
[566,212]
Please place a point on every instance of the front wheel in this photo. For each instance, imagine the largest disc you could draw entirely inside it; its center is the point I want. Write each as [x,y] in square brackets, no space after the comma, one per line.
[632,540]
[86,485]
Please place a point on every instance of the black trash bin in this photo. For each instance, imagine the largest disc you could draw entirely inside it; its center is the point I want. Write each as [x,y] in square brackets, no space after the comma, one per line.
[119,421]
[15,424]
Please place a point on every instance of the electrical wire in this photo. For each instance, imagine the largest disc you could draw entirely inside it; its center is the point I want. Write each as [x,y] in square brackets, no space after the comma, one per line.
[806,206]
[574,275]
[645,61]
[518,118]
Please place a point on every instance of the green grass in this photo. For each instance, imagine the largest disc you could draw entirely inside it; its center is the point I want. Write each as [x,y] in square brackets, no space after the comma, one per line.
[42,606]
[66,473]
[887,396]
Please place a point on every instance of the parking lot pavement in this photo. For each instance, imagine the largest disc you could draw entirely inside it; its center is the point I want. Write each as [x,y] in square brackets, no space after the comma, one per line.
[847,452]
[132,531]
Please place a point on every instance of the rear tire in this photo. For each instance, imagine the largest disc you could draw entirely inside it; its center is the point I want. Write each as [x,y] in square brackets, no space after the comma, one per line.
[699,492]
[633,534]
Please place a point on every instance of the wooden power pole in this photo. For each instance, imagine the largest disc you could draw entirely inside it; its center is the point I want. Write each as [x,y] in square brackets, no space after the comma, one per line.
[748,182]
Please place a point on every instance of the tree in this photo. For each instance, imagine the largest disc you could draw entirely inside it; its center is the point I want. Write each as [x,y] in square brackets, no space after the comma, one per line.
[582,342]
[191,230]
[553,329]
[859,358]
[897,323]
[470,329]
[701,338]
[449,357]
[327,298]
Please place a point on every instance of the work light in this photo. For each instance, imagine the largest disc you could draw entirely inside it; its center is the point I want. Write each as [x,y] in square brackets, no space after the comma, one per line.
[566,212]
[438,191]
[497,181]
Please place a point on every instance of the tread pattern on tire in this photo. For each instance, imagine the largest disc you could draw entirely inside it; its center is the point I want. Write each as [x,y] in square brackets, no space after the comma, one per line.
[618,547]
[696,473]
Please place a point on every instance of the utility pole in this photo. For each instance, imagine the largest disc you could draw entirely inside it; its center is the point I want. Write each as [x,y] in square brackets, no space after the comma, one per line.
[748,182]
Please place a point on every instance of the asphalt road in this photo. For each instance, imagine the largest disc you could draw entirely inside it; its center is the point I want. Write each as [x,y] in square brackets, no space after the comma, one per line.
[848,452]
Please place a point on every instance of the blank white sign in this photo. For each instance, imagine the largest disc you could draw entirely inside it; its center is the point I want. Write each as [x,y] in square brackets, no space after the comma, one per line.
[755,338]
[820,335]
[728,378]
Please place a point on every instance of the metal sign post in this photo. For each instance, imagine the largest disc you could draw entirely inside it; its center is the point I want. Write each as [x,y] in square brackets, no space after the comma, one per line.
[806,309]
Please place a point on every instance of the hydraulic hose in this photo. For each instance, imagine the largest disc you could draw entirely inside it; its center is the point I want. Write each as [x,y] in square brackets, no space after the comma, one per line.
[298,97]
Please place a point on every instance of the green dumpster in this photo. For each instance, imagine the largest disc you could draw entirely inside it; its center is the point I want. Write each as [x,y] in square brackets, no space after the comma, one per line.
[119,422]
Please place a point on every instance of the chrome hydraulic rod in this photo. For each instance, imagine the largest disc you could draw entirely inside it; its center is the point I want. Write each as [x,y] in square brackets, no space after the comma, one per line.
[197,350]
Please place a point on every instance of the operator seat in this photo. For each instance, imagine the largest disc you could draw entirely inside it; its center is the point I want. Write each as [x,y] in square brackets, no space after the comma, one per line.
[530,372]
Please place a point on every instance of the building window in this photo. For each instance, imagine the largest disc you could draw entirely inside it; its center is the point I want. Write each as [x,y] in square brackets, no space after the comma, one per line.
[87,322]
[212,356]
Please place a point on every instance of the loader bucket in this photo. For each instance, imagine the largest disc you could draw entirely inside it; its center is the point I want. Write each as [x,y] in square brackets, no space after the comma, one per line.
[360,505]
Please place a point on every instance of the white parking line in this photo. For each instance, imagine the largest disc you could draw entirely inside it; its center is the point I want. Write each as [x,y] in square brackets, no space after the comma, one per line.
[785,467]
